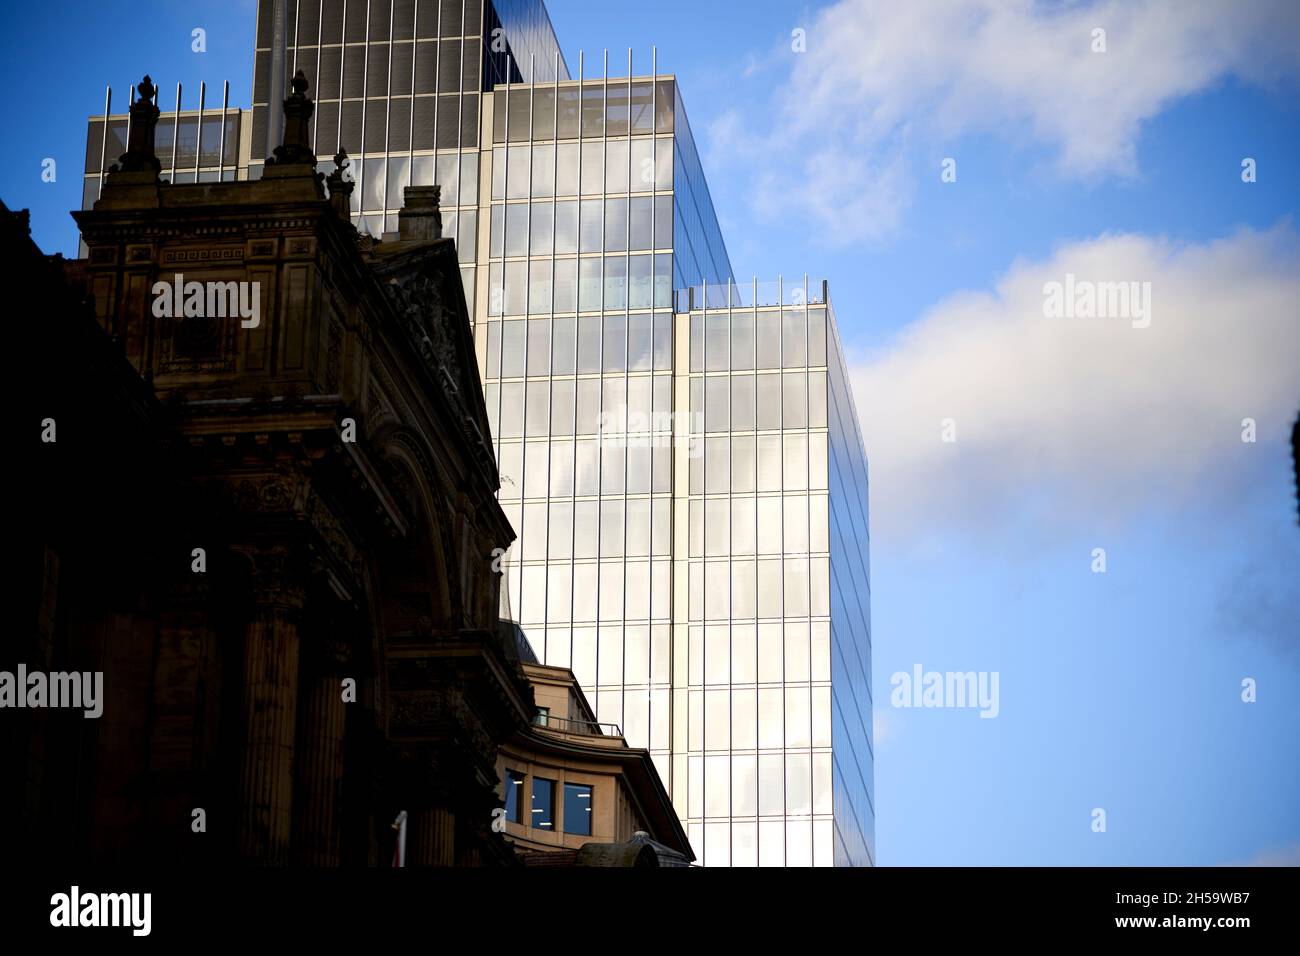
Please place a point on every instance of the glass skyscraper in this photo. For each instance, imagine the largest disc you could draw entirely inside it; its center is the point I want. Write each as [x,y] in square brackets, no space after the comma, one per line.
[679,453]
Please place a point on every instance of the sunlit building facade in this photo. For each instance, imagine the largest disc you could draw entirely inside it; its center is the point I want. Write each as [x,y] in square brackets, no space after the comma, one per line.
[772,747]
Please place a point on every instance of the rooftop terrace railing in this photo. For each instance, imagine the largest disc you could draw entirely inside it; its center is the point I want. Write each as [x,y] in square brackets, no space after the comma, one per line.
[782,293]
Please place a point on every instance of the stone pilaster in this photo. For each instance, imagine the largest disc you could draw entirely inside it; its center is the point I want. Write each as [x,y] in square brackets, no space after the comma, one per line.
[318,781]
[431,839]
[269,705]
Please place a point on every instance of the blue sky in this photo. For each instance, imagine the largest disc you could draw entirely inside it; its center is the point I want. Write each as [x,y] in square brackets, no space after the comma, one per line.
[1119,690]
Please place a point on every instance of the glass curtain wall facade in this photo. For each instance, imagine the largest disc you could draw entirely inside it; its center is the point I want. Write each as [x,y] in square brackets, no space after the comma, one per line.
[772,753]
[399,84]
[596,203]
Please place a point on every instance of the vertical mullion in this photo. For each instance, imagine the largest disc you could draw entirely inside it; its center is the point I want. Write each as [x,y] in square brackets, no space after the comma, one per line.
[221,143]
[176,128]
[388,114]
[365,88]
[198,139]
[103,140]
[785,755]
[627,339]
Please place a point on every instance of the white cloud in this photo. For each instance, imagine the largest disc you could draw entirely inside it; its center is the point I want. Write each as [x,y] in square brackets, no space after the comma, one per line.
[1063,421]
[883,85]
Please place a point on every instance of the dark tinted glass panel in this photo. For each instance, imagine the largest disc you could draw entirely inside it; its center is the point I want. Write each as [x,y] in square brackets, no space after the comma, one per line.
[376,125]
[451,16]
[350,134]
[329,72]
[426,66]
[469,67]
[448,109]
[354,71]
[400,76]
[426,16]
[377,70]
[355,28]
[543,803]
[264,11]
[327,128]
[449,66]
[577,808]
[307,63]
[331,22]
[403,19]
[379,12]
[259,147]
[399,124]
[514,796]
[261,77]
[422,136]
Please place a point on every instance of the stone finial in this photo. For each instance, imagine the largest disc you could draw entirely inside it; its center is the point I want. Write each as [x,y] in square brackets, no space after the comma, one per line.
[340,188]
[420,216]
[139,156]
[297,147]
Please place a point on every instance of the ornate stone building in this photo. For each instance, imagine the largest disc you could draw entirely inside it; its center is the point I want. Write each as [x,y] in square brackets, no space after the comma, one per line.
[264,508]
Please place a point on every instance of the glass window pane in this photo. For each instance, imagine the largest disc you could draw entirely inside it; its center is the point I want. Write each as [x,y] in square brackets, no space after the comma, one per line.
[543,803]
[543,114]
[589,281]
[566,285]
[742,403]
[543,220]
[566,169]
[593,110]
[640,283]
[616,168]
[563,347]
[578,808]
[615,225]
[769,401]
[566,226]
[663,222]
[514,796]
[639,342]
[566,113]
[794,408]
[539,346]
[615,283]
[468,193]
[794,344]
[516,237]
[615,342]
[543,171]
[593,169]
[589,229]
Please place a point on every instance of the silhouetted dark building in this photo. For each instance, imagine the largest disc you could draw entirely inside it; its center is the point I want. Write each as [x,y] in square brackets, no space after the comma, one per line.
[263,508]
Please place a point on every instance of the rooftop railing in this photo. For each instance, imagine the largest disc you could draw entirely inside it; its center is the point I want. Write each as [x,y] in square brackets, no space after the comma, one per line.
[783,293]
[568,725]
